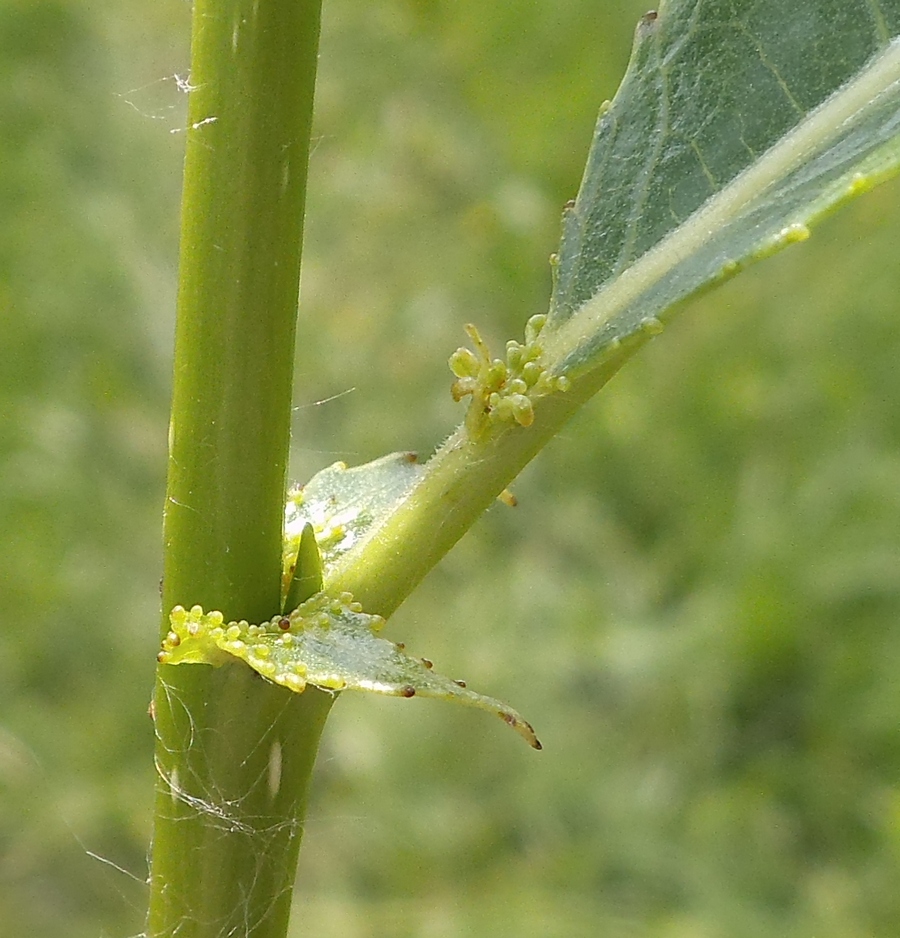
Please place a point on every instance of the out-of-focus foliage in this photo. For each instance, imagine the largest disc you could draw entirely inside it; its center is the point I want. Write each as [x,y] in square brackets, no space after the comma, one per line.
[708,558]
[88,223]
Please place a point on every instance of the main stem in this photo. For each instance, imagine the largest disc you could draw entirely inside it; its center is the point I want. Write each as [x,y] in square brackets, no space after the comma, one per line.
[234,754]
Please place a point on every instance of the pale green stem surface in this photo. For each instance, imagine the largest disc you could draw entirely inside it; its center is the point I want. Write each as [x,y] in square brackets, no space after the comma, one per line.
[234,754]
[460,482]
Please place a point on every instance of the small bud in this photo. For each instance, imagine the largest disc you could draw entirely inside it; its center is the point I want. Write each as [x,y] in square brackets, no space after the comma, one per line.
[514,355]
[463,386]
[531,371]
[496,375]
[522,409]
[464,363]
[502,407]
[533,327]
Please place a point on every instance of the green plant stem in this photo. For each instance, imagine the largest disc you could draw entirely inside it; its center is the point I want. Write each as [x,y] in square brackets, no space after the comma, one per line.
[460,482]
[234,754]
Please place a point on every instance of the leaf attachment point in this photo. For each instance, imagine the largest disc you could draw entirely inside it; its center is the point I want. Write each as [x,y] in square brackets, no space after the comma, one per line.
[342,505]
[327,642]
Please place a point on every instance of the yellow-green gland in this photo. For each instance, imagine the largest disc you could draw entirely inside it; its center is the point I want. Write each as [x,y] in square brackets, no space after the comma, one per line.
[533,328]
[464,363]
[531,371]
[517,407]
[495,375]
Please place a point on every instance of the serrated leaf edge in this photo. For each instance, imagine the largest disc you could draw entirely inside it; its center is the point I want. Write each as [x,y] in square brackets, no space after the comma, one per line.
[198,637]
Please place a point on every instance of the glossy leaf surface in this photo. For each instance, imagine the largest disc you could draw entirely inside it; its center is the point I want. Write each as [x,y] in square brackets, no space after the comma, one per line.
[343,504]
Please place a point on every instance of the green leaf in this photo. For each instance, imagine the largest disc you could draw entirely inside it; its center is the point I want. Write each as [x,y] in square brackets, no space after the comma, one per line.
[343,505]
[327,642]
[738,124]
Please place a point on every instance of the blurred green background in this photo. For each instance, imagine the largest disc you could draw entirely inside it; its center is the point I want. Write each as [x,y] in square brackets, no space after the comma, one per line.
[695,601]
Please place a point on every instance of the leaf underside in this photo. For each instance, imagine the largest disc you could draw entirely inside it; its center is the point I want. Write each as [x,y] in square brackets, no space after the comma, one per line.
[328,643]
[738,124]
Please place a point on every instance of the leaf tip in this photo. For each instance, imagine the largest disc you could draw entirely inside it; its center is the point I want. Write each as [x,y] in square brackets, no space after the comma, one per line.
[522,727]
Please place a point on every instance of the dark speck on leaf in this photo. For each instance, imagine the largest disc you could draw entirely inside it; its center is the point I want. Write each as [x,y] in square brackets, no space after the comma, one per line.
[408,691]
[648,23]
